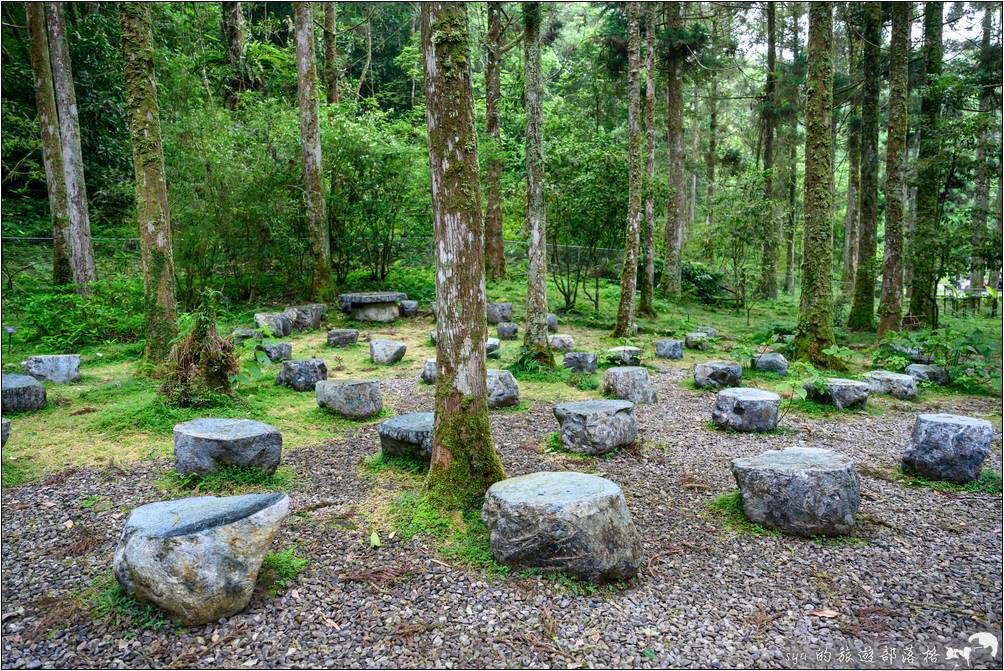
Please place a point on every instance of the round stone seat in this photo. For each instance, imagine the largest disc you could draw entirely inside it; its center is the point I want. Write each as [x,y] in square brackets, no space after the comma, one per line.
[302,374]
[429,372]
[58,368]
[561,342]
[498,312]
[839,392]
[408,308]
[342,337]
[629,383]
[580,362]
[355,399]
[22,393]
[625,354]
[204,445]
[503,390]
[803,491]
[717,374]
[493,348]
[276,351]
[507,330]
[563,521]
[897,385]
[408,435]
[746,410]
[385,351]
[923,372]
[198,557]
[701,341]
[596,427]
[948,447]
[669,349]
[373,306]
[771,362]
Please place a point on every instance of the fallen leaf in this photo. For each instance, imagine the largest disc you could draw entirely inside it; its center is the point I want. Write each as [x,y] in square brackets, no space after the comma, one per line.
[825,612]
[68,524]
[375,540]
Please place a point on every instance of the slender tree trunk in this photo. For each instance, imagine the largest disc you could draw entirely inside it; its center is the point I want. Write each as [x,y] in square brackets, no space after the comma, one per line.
[910,216]
[671,283]
[792,167]
[768,269]
[310,150]
[369,58]
[464,463]
[331,51]
[815,315]
[862,315]
[535,337]
[78,230]
[494,243]
[52,150]
[646,307]
[890,307]
[711,161]
[625,313]
[985,163]
[152,212]
[851,215]
[923,305]
[235,44]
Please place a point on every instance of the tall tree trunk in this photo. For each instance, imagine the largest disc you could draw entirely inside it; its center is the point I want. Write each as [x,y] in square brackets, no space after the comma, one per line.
[331,51]
[52,150]
[646,307]
[369,57]
[78,230]
[815,314]
[310,150]
[862,315]
[625,312]
[985,162]
[768,269]
[494,243]
[890,307]
[152,212]
[464,463]
[535,338]
[675,213]
[924,251]
[851,214]
[711,160]
[235,44]
[792,167]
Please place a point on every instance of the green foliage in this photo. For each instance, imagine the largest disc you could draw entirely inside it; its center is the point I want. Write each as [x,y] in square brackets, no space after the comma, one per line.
[989,482]
[840,357]
[729,507]
[380,462]
[15,472]
[229,480]
[280,568]
[106,600]
[201,365]
[701,282]
[967,356]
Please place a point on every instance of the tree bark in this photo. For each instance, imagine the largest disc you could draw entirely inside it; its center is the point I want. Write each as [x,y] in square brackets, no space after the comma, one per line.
[494,243]
[671,283]
[985,162]
[890,305]
[862,314]
[78,229]
[52,150]
[331,51]
[152,213]
[815,315]
[851,217]
[235,44]
[369,57]
[646,306]
[768,269]
[464,463]
[625,312]
[310,150]
[923,305]
[792,168]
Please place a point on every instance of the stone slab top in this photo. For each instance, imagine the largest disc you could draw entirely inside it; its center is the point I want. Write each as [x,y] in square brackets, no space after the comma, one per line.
[181,517]
[958,420]
[795,460]
[345,383]
[594,406]
[16,380]
[750,394]
[553,488]
[372,297]
[412,421]
[224,429]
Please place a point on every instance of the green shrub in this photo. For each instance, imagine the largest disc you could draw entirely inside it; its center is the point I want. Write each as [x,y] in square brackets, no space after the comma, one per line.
[701,282]
[280,568]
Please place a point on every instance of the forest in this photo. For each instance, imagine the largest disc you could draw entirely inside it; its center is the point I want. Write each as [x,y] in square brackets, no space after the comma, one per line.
[601,254]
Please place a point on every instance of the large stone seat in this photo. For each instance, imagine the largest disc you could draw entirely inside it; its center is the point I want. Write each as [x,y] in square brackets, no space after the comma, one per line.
[22,393]
[948,447]
[897,385]
[669,349]
[629,383]
[717,374]
[701,341]
[342,337]
[923,372]
[493,348]
[198,558]
[561,342]
[58,368]
[839,392]
[596,427]
[499,312]
[203,445]
[503,390]
[562,521]
[429,371]
[307,317]
[355,399]
[386,351]
[407,435]
[373,306]
[242,333]
[302,374]
[771,362]
[507,330]
[803,491]
[580,362]
[745,409]
[276,351]
[277,324]
[625,354]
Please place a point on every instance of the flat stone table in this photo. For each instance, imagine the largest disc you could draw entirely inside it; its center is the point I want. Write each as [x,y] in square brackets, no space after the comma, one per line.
[373,306]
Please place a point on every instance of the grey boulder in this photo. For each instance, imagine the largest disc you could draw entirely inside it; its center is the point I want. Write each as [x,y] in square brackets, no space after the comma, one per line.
[708,331]
[552,322]
[897,385]
[355,399]
[22,393]
[499,312]
[276,351]
[503,391]
[407,435]
[242,333]
[948,447]
[58,368]
[580,362]
[198,558]
[701,341]
[717,374]
[307,317]
[493,348]
[277,324]
[575,523]
[669,349]
[745,409]
[429,371]
[802,491]
[923,372]
[204,445]
[387,351]
[507,330]
[913,354]
[342,337]
[625,354]
[562,343]
[839,392]
[302,374]
[596,427]
[408,308]
[771,362]
[630,383]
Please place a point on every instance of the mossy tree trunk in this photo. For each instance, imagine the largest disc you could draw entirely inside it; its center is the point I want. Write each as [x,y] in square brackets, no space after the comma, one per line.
[77,232]
[464,463]
[235,36]
[927,228]
[815,314]
[494,246]
[331,51]
[772,236]
[152,212]
[625,312]
[645,306]
[535,336]
[986,161]
[850,242]
[862,314]
[310,151]
[676,203]
[890,305]
[52,150]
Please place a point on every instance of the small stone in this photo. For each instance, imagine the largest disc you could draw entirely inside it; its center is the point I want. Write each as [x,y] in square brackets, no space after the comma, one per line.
[429,371]
[276,324]
[204,445]
[493,348]
[6,430]
[630,383]
[355,399]
[803,491]
[242,333]
[596,427]
[629,356]
[408,308]
[699,341]
[302,374]
[507,330]
[708,331]
[387,351]
[897,385]
[717,374]
[342,337]
[912,353]
[669,349]
[58,368]
[276,351]
[580,362]
[562,343]
[927,373]
[503,390]
[948,447]
[22,393]
[499,312]
[552,322]
[575,523]
[771,362]
[747,410]
[307,317]
[408,435]
[839,392]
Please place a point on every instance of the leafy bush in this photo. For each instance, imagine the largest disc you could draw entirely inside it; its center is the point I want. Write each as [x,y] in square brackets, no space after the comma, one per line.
[701,282]
[280,568]
[201,364]
[968,357]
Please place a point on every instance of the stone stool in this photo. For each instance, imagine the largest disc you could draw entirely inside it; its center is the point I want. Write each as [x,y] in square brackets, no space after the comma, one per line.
[387,351]
[629,356]
[669,349]
[701,341]
[499,312]
[507,330]
[552,322]
[493,348]
[948,447]
[630,383]
[407,435]
[276,351]
[203,445]
[923,372]
[580,362]
[22,393]
[771,362]
[355,399]
[342,337]
[746,410]
[302,374]
[58,368]
[562,343]
[277,324]
[897,385]
[428,375]
[596,427]
[717,374]
[839,392]
[408,308]
[503,390]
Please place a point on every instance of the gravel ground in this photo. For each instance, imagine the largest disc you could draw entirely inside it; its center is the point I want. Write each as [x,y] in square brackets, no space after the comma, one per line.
[926,572]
